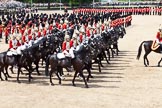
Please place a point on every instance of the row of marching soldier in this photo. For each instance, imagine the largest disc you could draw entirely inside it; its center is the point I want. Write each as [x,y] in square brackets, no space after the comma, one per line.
[123,10]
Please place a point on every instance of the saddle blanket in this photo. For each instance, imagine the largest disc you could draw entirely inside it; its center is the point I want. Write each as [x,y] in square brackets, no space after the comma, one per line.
[60,55]
[155,45]
[11,53]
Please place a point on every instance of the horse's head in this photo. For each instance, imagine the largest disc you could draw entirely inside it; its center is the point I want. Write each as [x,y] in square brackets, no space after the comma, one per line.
[27,54]
[122,31]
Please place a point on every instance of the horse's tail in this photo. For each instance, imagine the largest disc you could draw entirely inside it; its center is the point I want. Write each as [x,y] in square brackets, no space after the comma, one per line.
[140,50]
[47,65]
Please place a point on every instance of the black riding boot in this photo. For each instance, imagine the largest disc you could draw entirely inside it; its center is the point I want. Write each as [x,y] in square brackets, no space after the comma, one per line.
[6,39]
[160,48]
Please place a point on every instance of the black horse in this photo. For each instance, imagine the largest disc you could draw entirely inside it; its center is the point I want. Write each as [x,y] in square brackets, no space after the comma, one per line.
[82,57]
[147,46]
[2,64]
[56,63]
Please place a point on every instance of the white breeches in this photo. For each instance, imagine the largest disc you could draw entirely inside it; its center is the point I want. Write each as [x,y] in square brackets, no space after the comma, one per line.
[70,53]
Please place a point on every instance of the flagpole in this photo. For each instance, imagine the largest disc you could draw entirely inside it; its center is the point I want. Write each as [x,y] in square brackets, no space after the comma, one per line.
[60,4]
[31,2]
[93,3]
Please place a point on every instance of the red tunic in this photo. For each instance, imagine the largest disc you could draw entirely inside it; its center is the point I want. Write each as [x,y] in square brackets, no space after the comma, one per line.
[64,26]
[81,37]
[44,32]
[102,27]
[39,34]
[11,44]
[22,31]
[71,43]
[88,33]
[1,29]
[64,45]
[6,33]
[50,28]
[159,36]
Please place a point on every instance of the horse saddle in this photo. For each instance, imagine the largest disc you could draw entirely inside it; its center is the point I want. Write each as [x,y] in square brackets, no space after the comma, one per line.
[155,45]
[11,53]
[60,56]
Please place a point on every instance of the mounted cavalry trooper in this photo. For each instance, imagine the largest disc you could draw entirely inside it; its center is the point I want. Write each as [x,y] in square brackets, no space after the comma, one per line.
[82,34]
[78,36]
[60,25]
[66,45]
[13,45]
[98,29]
[25,38]
[159,37]
[37,34]
[65,24]
[74,41]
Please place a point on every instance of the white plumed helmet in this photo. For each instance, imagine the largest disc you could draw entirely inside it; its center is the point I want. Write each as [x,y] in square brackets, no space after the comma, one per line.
[67,36]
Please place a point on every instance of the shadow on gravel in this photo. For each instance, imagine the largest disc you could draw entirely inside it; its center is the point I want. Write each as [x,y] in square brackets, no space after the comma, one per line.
[111,74]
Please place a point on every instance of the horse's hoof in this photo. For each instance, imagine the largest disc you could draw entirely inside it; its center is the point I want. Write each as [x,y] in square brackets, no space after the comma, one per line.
[9,76]
[60,83]
[2,79]
[92,68]
[6,78]
[88,80]
[62,78]
[69,74]
[158,65]
[19,82]
[52,84]
[86,86]
[74,85]
[108,62]
[91,76]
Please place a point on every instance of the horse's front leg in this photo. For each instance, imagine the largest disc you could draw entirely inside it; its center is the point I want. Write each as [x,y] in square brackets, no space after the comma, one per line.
[89,72]
[58,77]
[11,69]
[159,62]
[81,73]
[18,74]
[108,53]
[104,54]
[51,72]
[37,67]
[73,81]
[1,70]
[6,69]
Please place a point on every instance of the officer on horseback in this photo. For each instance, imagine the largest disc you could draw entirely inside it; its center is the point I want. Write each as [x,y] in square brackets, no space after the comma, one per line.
[66,45]
[13,44]
[159,37]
